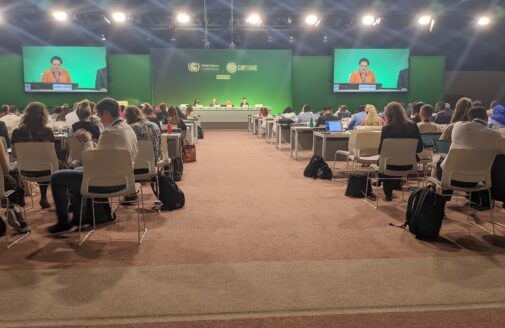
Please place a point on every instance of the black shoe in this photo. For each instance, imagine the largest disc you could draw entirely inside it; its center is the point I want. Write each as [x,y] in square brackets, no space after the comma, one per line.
[23,226]
[377,183]
[389,198]
[372,197]
[59,228]
[44,203]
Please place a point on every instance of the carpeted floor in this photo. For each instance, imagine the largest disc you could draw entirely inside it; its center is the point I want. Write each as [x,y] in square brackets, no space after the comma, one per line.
[257,245]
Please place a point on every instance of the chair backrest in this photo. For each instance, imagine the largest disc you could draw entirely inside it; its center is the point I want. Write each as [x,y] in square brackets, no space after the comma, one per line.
[106,168]
[367,143]
[352,141]
[502,132]
[146,158]
[2,186]
[4,144]
[398,152]
[58,125]
[442,146]
[36,156]
[428,139]
[369,128]
[75,148]
[468,165]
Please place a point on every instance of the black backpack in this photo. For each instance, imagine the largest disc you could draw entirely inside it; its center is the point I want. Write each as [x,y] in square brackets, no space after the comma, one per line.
[169,194]
[178,168]
[357,186]
[324,172]
[425,211]
[316,163]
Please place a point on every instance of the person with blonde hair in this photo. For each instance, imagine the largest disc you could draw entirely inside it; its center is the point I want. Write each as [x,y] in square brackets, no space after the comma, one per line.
[372,118]
[83,111]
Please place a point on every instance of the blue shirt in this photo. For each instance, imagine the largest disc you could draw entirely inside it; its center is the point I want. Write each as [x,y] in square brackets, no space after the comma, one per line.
[356,120]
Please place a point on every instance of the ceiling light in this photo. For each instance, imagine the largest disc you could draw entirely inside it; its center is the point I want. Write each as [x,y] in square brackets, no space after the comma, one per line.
[368,20]
[312,20]
[254,19]
[483,21]
[425,20]
[119,17]
[183,18]
[60,16]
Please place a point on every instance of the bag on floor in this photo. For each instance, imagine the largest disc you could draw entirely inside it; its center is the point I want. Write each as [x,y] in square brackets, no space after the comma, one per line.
[315,163]
[103,212]
[358,186]
[425,211]
[169,194]
[498,179]
[324,172]
[189,154]
[200,132]
[178,168]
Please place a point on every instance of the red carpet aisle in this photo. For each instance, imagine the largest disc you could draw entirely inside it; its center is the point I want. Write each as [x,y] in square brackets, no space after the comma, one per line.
[257,245]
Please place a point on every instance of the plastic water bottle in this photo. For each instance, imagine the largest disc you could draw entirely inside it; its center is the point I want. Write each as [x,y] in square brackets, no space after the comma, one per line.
[311,123]
[169,128]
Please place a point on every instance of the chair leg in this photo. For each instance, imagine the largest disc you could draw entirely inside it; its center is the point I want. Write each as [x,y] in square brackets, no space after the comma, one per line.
[83,205]
[491,214]
[26,234]
[141,237]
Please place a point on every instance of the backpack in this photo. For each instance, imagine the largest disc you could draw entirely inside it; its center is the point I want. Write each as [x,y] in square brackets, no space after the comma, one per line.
[425,211]
[324,172]
[178,168]
[189,154]
[103,212]
[315,163]
[357,186]
[169,194]
[200,132]
[285,120]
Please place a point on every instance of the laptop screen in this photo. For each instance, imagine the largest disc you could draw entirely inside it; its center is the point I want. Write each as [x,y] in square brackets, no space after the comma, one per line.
[334,126]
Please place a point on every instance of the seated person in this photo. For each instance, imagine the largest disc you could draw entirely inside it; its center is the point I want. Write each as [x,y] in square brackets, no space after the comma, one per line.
[326,116]
[190,115]
[244,103]
[84,113]
[497,120]
[144,129]
[150,114]
[372,118]
[288,113]
[228,103]
[444,113]
[306,115]
[426,125]
[214,103]
[416,110]
[342,112]
[162,115]
[357,118]
[397,125]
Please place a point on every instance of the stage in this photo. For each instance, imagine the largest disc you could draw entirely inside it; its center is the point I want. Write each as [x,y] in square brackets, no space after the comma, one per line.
[225,118]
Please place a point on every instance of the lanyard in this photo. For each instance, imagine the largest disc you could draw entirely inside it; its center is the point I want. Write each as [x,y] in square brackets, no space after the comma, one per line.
[363,80]
[59,76]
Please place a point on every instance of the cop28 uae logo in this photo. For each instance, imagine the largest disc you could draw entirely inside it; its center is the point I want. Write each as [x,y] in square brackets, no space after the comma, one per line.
[193,67]
[231,67]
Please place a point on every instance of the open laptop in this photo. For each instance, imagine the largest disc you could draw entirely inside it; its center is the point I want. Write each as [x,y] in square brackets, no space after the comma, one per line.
[334,126]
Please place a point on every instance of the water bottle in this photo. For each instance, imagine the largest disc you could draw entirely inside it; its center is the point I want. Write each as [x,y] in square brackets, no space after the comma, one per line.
[169,128]
[311,123]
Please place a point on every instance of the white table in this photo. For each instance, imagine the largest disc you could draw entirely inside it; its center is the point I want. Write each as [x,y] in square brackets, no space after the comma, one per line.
[190,132]
[171,145]
[224,117]
[301,139]
[269,130]
[325,144]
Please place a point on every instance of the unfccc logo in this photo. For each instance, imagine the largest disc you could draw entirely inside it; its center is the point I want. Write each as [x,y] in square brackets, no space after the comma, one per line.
[231,67]
[193,67]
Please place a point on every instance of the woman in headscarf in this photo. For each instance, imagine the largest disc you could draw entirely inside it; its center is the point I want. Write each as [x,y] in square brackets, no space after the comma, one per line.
[497,120]
[372,118]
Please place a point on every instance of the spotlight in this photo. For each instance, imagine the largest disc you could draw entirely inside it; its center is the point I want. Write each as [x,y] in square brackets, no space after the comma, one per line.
[60,16]
[425,20]
[103,37]
[270,38]
[312,20]
[483,21]
[254,19]
[119,17]
[291,39]
[368,20]
[183,18]
[325,39]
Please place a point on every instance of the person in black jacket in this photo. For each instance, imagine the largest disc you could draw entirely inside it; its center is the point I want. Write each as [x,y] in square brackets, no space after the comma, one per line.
[326,116]
[5,133]
[397,126]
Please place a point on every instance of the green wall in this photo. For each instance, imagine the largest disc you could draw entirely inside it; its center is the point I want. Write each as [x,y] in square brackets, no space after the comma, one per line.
[313,76]
[311,83]
[130,80]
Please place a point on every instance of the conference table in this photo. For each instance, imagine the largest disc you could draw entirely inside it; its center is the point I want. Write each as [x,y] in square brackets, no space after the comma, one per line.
[326,144]
[225,117]
[301,139]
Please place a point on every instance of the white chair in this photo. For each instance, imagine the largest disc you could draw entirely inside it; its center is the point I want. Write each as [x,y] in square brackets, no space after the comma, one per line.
[368,128]
[108,168]
[36,157]
[394,153]
[145,168]
[470,166]
[4,197]
[4,144]
[363,148]
[75,148]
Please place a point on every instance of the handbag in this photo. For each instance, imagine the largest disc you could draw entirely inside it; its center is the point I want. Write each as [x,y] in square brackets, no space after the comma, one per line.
[189,154]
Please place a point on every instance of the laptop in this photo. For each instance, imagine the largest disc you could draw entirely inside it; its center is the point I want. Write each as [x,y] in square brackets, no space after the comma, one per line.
[334,126]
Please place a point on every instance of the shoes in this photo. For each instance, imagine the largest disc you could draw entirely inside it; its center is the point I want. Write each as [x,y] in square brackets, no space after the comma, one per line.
[16,221]
[377,183]
[372,197]
[59,228]
[389,198]
[44,203]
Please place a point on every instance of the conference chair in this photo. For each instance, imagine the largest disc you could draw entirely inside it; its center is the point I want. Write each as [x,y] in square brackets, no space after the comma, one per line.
[75,148]
[36,162]
[369,128]
[145,166]
[426,156]
[4,143]
[470,166]
[108,174]
[4,198]
[397,161]
[363,148]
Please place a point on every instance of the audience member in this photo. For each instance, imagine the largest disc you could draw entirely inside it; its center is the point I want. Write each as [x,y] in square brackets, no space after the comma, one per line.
[326,116]
[444,113]
[4,110]
[94,118]
[397,125]
[497,120]
[176,121]
[460,111]
[306,115]
[5,133]
[190,115]
[342,112]
[116,135]
[144,129]
[288,113]
[150,115]
[12,119]
[426,125]
[372,118]
[33,128]
[492,105]
[83,112]
[416,110]
[162,115]
[357,118]
[64,110]
[72,117]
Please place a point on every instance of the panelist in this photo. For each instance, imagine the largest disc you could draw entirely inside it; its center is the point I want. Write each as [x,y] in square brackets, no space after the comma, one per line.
[244,103]
[228,103]
[214,103]
[56,74]
[363,75]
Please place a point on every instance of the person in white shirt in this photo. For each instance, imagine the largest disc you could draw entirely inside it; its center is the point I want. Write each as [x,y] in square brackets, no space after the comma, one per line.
[306,115]
[426,125]
[12,119]
[116,135]
[72,117]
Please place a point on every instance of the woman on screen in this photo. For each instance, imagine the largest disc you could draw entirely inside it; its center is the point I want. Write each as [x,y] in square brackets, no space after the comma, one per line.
[56,74]
[363,74]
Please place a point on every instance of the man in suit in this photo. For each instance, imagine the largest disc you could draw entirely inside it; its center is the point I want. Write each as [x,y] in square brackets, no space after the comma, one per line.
[403,80]
[102,82]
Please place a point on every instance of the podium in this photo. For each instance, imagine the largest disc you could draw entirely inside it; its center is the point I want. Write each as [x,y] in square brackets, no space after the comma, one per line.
[356,87]
[53,87]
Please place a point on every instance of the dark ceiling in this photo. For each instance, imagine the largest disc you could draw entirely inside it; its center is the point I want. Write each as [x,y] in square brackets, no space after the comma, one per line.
[152,24]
